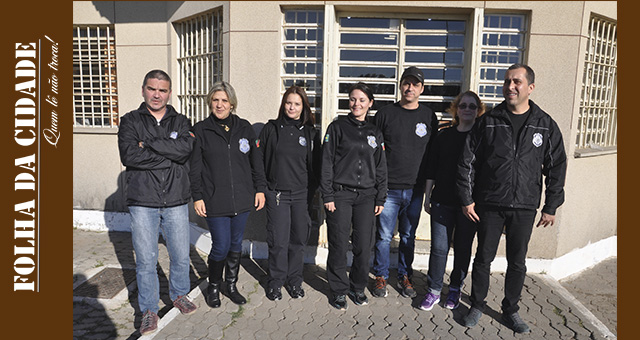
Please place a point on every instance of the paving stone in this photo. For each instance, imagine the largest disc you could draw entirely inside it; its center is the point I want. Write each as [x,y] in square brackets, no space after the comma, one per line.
[549,314]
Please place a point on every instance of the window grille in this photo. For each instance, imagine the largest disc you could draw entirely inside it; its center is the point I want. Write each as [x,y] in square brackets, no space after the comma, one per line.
[377,50]
[302,48]
[95,91]
[199,61]
[598,116]
[502,46]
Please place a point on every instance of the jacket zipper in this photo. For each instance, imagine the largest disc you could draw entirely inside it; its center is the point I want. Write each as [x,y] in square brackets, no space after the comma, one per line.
[233,195]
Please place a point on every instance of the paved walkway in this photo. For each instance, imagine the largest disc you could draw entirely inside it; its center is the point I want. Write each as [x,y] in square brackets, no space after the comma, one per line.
[576,308]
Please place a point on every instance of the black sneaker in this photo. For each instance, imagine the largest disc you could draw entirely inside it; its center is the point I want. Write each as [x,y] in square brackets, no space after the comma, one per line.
[274,294]
[472,318]
[339,302]
[515,323]
[295,291]
[359,298]
[406,287]
[380,289]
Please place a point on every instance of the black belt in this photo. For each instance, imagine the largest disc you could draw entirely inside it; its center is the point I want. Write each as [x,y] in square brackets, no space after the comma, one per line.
[340,187]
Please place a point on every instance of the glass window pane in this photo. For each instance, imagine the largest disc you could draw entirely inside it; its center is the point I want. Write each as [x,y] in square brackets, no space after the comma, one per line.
[368,39]
[365,22]
[367,72]
[368,55]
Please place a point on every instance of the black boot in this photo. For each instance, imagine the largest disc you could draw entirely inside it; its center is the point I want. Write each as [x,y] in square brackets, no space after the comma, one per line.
[231,277]
[215,279]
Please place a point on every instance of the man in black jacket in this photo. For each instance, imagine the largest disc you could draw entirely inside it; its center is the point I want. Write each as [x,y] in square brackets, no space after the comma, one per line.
[155,142]
[500,184]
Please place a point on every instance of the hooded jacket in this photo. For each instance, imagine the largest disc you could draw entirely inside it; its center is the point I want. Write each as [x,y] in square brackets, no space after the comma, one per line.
[226,174]
[499,169]
[157,173]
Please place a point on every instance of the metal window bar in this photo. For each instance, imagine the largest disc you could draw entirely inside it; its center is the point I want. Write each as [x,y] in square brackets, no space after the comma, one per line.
[200,62]
[302,52]
[94,82]
[597,120]
[503,44]
[397,30]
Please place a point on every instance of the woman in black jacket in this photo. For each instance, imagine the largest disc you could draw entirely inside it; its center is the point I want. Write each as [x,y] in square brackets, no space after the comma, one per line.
[291,148]
[227,182]
[354,188]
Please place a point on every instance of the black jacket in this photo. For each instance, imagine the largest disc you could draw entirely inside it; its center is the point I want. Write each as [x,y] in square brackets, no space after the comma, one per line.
[157,174]
[269,138]
[499,170]
[353,156]
[226,174]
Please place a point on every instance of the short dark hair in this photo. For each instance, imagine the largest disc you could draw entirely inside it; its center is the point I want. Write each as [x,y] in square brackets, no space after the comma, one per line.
[531,76]
[157,74]
[362,87]
[306,116]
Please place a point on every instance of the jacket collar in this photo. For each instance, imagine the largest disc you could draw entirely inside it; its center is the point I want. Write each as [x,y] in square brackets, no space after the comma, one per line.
[210,124]
[502,111]
[356,122]
[171,111]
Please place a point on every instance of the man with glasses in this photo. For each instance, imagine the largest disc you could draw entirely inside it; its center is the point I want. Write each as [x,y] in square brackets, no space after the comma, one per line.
[500,184]
[408,128]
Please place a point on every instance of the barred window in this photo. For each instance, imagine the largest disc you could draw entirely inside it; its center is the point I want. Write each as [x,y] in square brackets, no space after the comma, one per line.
[502,46]
[598,116]
[302,46]
[200,62]
[95,91]
[377,50]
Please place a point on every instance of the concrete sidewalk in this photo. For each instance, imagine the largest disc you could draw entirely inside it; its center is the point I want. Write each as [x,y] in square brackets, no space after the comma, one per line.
[583,306]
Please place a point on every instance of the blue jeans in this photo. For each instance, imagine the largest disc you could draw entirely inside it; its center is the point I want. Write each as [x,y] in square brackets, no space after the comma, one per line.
[145,226]
[447,222]
[226,235]
[403,206]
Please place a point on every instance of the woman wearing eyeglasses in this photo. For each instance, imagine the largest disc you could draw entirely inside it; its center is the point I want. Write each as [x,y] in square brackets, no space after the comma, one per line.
[442,203]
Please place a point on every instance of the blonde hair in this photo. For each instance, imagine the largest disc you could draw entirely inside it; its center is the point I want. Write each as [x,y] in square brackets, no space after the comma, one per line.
[226,88]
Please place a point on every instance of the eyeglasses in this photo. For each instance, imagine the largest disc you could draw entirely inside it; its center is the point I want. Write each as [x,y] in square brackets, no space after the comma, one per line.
[464,106]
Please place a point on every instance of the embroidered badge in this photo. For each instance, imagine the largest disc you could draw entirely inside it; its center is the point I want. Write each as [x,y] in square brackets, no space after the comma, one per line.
[372,141]
[302,141]
[191,134]
[257,143]
[326,138]
[173,135]
[421,129]
[244,145]
[537,139]
[382,144]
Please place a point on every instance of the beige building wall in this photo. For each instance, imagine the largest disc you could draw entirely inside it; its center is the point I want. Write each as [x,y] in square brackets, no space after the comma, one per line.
[252,31]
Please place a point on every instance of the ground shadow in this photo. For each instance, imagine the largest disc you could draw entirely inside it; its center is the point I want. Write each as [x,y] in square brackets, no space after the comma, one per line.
[125,254]
[90,319]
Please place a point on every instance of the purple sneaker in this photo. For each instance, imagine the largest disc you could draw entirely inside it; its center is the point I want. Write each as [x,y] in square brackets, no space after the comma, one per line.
[453,299]
[429,301]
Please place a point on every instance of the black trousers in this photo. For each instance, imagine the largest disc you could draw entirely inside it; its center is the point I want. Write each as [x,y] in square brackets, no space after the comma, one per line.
[518,224]
[353,219]
[288,226]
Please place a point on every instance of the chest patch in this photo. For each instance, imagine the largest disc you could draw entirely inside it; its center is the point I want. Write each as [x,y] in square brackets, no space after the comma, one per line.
[302,141]
[244,145]
[372,141]
[537,139]
[421,129]
[173,135]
